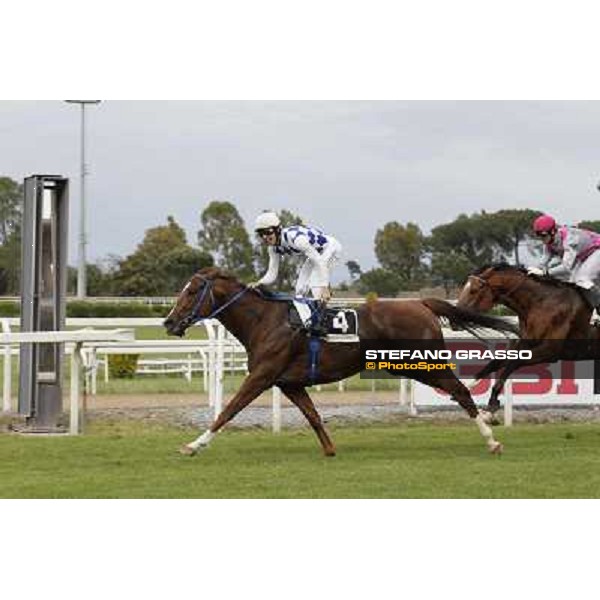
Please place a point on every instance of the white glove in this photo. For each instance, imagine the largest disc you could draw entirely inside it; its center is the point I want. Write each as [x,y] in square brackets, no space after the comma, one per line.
[323,293]
[536,271]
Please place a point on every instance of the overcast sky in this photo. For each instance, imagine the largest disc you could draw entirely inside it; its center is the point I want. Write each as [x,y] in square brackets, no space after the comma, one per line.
[348,167]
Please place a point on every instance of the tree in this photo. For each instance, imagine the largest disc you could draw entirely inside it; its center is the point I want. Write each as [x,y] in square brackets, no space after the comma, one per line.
[11,208]
[161,263]
[224,236]
[101,277]
[400,250]
[379,281]
[354,270]
[591,225]
[484,237]
[472,241]
[289,267]
[449,269]
[466,236]
[508,229]
[10,264]
[11,214]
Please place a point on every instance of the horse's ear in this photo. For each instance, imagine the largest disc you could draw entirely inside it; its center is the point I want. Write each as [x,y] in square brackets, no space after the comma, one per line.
[208,272]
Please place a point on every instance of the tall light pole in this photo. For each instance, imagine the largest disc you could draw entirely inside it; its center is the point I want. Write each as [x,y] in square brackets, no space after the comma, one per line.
[81,275]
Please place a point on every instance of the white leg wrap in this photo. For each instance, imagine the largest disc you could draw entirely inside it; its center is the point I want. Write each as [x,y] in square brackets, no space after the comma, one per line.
[202,441]
[486,431]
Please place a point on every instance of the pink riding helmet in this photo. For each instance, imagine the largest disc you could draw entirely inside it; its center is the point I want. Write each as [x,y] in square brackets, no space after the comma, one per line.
[543,224]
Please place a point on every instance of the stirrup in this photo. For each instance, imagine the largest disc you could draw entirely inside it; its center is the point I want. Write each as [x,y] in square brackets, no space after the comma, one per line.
[319,330]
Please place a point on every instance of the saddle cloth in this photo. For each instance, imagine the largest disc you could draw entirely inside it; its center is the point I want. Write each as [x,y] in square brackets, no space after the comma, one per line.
[342,323]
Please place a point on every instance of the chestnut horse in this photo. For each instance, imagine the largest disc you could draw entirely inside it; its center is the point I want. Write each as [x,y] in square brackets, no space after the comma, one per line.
[551,313]
[279,354]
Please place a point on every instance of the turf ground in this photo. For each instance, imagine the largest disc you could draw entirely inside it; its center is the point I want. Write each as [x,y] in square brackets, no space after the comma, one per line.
[136,460]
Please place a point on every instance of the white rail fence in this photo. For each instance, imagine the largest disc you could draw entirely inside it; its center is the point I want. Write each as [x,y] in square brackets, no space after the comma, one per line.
[213,357]
[220,353]
[78,340]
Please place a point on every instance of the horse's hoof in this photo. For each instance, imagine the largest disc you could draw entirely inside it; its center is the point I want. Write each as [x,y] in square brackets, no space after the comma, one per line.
[496,448]
[187,450]
[330,453]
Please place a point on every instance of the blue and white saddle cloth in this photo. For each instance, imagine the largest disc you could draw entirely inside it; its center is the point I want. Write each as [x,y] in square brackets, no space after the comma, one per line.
[342,323]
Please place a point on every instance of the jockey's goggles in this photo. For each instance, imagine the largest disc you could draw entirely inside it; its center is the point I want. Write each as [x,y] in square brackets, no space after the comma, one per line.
[266,232]
[544,234]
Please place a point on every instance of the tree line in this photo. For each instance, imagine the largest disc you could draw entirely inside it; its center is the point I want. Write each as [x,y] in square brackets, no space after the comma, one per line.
[408,259]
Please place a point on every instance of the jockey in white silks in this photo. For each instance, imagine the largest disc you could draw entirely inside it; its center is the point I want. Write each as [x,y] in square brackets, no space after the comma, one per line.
[320,250]
[570,254]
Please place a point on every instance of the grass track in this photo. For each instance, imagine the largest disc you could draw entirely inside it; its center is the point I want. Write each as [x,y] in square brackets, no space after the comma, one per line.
[131,460]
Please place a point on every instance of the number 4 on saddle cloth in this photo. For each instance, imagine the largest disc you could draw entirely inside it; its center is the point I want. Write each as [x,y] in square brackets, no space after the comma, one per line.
[342,323]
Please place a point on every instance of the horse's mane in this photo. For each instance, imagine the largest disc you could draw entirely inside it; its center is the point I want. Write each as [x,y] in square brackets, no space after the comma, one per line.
[503,266]
[216,272]
[273,296]
[499,266]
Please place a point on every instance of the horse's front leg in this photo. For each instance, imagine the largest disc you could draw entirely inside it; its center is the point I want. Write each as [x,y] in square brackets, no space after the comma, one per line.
[491,367]
[255,384]
[494,365]
[546,353]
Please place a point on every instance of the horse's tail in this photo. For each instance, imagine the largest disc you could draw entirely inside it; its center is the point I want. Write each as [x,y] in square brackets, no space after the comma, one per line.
[469,320]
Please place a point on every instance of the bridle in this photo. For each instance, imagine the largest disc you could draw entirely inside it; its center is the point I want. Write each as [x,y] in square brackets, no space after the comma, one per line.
[501,295]
[207,288]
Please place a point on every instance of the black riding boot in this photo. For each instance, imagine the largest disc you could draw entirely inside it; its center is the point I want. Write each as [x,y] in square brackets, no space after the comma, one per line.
[319,321]
[592,295]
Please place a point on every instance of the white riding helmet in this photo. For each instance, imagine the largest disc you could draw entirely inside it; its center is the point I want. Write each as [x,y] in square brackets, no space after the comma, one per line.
[266,220]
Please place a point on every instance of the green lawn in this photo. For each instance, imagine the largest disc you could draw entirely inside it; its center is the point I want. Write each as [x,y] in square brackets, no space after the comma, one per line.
[131,460]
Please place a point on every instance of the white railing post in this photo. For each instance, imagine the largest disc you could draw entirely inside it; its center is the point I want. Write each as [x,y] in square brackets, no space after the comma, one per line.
[508,404]
[204,369]
[93,371]
[7,386]
[210,331]
[188,372]
[401,391]
[75,389]
[412,405]
[406,395]
[220,356]
[276,409]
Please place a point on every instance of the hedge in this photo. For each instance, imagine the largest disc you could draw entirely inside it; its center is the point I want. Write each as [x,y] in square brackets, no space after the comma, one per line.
[82,308]
[122,366]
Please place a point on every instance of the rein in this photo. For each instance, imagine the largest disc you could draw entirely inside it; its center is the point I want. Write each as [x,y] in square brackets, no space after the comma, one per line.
[282,297]
[501,295]
[195,317]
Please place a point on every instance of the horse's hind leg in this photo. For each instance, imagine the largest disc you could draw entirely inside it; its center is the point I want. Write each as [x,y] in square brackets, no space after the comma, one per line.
[460,393]
[299,396]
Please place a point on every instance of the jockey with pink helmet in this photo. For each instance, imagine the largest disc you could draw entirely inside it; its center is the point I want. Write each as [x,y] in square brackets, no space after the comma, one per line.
[570,254]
